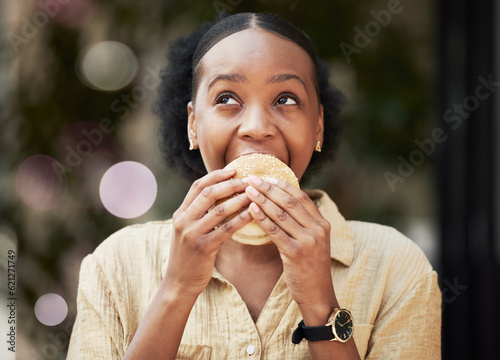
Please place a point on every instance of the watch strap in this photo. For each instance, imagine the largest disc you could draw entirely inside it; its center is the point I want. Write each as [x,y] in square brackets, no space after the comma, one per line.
[311,333]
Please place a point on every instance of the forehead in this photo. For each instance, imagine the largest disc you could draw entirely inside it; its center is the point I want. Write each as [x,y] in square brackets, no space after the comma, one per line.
[255,48]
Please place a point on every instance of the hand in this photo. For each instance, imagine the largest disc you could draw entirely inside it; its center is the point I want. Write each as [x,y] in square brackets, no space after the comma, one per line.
[198,233]
[302,236]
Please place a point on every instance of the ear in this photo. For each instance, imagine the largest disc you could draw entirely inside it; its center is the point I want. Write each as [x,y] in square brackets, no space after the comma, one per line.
[192,128]
[320,125]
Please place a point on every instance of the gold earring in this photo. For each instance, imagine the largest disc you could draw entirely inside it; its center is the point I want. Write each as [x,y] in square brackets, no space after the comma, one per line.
[318,146]
[191,145]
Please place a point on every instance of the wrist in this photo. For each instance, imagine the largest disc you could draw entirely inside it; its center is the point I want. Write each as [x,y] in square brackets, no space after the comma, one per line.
[172,294]
[319,303]
[317,314]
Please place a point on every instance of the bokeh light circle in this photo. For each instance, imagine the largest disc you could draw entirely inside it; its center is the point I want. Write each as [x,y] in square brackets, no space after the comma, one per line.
[40,182]
[128,189]
[107,66]
[51,309]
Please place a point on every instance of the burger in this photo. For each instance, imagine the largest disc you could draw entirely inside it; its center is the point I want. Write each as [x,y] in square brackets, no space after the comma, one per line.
[263,166]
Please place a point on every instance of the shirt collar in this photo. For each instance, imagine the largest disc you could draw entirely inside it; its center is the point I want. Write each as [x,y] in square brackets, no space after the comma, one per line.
[341,236]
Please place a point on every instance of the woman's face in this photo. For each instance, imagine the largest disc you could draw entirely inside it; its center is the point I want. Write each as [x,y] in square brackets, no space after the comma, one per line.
[256,94]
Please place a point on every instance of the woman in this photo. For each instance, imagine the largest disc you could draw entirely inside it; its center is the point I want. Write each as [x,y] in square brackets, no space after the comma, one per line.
[183,289]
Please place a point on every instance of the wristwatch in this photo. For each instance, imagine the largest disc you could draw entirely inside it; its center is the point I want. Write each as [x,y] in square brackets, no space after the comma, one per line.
[340,327]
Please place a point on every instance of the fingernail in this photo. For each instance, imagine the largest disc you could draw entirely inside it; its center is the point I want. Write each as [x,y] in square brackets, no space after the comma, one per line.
[229,169]
[245,180]
[255,180]
[253,191]
[272,180]
[254,208]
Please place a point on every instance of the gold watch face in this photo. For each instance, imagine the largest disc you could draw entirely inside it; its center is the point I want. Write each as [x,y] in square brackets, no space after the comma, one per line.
[343,325]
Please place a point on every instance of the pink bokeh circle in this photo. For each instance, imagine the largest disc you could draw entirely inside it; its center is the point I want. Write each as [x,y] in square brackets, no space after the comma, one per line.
[51,309]
[128,189]
[39,182]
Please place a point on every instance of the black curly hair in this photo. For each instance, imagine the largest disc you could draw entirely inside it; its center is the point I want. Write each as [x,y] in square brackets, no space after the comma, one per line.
[179,82]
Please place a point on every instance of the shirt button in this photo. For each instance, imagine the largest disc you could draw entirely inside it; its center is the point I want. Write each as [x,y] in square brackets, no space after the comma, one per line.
[250,349]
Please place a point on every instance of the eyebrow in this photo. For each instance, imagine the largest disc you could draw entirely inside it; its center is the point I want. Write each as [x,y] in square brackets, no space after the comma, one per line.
[278,78]
[230,77]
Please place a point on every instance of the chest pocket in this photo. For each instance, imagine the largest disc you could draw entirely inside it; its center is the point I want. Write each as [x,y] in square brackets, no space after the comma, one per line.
[362,334]
[194,352]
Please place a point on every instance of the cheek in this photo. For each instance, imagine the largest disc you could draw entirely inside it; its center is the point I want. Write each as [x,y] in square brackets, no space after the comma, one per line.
[213,132]
[301,148]
[307,137]
[301,153]
[213,140]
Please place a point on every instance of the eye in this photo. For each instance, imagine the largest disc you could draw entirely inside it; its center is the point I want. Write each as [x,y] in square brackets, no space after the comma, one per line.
[287,99]
[226,98]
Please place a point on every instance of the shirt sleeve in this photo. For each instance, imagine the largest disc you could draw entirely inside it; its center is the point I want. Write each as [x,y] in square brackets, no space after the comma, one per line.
[411,328]
[98,332]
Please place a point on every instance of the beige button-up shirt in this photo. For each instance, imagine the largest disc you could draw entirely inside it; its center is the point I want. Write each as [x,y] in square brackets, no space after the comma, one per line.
[379,274]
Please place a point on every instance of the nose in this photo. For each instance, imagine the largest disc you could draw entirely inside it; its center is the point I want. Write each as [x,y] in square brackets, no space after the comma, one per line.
[257,124]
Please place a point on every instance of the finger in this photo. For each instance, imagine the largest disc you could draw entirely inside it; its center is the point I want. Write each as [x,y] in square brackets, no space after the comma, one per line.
[300,195]
[228,228]
[287,203]
[210,194]
[310,247]
[277,215]
[276,233]
[211,178]
[224,212]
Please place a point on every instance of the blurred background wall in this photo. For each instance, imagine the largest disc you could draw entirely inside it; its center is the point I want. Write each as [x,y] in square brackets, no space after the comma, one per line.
[79,157]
